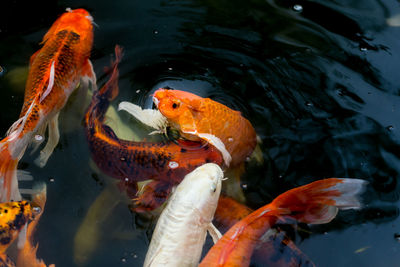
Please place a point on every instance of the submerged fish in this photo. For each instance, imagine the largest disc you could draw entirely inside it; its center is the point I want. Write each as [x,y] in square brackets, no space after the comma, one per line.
[200,118]
[181,230]
[314,203]
[27,255]
[55,71]
[166,163]
[273,249]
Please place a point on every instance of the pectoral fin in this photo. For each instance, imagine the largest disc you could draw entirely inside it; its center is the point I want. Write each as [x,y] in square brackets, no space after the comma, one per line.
[150,117]
[214,233]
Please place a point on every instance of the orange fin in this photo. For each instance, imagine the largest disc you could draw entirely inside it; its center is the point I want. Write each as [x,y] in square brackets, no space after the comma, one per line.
[88,75]
[154,195]
[33,57]
[8,174]
[27,255]
[319,202]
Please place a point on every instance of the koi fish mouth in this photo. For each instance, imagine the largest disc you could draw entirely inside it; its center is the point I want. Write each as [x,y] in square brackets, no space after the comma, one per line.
[89,17]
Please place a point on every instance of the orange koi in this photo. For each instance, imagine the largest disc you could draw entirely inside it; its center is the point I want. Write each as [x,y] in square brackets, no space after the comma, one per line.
[314,203]
[200,118]
[166,163]
[276,250]
[55,71]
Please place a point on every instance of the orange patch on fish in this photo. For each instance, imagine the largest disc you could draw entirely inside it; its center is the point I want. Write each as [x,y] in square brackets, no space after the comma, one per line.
[202,118]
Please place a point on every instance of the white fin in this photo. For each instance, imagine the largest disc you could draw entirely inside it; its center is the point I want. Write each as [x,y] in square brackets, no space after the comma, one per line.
[350,190]
[24,176]
[214,233]
[22,237]
[150,117]
[51,83]
[54,137]
[215,141]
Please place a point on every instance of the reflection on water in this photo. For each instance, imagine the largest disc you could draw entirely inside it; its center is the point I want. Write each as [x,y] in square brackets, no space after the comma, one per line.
[319,82]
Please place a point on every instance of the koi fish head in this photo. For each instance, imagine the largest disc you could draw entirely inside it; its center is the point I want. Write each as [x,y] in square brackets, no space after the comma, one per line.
[13,217]
[175,103]
[77,20]
[201,189]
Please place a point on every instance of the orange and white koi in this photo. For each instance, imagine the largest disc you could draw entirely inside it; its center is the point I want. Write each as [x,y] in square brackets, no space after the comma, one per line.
[202,118]
[55,71]
[314,203]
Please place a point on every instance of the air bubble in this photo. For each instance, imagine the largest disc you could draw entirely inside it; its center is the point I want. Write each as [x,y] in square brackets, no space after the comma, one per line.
[51,179]
[298,8]
[123,259]
[38,137]
[155,32]
[173,164]
[126,179]
[169,69]
[397,236]
[122,159]
[137,91]
[390,128]
[244,186]
[309,104]
[363,49]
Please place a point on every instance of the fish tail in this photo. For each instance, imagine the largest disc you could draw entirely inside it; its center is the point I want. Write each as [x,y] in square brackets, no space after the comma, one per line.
[27,255]
[110,89]
[101,98]
[319,202]
[8,172]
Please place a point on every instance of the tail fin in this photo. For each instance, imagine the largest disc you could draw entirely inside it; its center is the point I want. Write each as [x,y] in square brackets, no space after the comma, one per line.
[319,202]
[8,173]
[110,89]
[27,255]
[101,99]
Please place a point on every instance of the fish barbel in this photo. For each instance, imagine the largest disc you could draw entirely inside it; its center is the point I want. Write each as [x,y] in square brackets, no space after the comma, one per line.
[55,71]
[181,230]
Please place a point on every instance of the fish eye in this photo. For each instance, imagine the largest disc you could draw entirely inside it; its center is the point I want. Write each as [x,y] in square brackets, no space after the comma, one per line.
[175,105]
[214,188]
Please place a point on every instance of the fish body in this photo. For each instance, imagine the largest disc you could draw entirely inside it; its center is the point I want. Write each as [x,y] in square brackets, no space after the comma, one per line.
[181,230]
[205,119]
[315,203]
[55,71]
[274,247]
[166,163]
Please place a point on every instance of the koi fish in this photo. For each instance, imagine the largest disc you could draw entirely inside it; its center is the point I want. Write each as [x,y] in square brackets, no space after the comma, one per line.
[27,255]
[182,228]
[314,203]
[200,118]
[13,218]
[273,249]
[55,71]
[166,163]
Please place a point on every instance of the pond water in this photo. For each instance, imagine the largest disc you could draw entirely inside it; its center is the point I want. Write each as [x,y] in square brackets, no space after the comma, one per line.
[317,79]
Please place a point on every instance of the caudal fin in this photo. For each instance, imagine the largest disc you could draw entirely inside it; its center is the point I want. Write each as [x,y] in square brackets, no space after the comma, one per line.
[8,173]
[319,202]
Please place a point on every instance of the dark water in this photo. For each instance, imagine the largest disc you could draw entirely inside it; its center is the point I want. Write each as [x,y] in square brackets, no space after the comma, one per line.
[319,82]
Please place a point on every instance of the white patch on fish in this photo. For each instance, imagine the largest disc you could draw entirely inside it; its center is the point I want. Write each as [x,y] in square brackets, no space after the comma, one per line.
[181,230]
